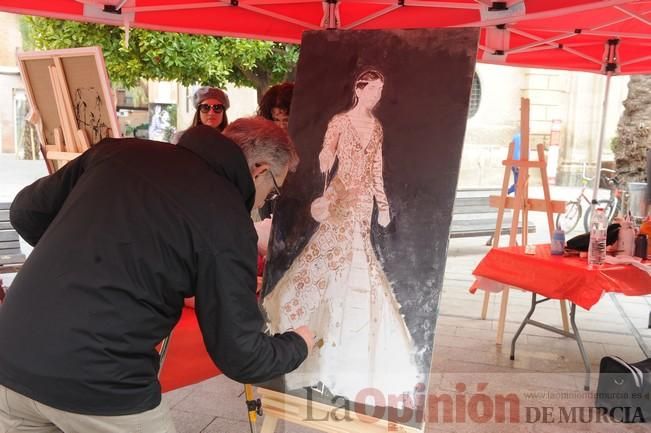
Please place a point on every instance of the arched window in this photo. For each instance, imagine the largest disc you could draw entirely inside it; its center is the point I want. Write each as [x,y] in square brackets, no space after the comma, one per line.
[475,96]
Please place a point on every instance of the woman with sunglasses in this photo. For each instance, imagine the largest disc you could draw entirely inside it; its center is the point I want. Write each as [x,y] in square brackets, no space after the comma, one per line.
[211,104]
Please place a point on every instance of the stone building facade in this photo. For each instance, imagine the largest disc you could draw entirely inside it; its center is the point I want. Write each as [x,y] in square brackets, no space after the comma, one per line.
[565,115]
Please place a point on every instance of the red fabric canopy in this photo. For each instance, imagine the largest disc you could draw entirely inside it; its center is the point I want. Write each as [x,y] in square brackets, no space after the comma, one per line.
[562,34]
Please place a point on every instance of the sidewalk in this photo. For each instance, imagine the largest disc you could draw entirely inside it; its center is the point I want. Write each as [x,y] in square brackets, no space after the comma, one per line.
[16,174]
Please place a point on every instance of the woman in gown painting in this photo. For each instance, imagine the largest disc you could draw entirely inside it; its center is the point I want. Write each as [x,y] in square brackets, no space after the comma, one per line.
[336,285]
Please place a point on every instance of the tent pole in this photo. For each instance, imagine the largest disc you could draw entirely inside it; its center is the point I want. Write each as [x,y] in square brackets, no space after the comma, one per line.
[602,138]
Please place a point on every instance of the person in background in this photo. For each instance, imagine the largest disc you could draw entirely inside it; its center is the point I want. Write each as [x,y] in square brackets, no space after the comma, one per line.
[276,103]
[121,235]
[516,140]
[211,104]
[516,157]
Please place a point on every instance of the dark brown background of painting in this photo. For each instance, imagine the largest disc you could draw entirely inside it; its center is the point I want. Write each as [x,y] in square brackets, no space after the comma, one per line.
[423,110]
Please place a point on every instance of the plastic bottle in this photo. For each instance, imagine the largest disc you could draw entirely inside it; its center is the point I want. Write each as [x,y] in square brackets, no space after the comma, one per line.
[626,238]
[598,227]
[558,242]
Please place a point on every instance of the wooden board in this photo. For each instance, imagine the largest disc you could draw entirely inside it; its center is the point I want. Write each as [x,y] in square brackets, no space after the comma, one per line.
[322,417]
[532,204]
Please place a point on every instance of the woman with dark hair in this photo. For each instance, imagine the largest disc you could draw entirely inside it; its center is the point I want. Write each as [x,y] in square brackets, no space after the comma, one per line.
[211,104]
[275,104]
[336,285]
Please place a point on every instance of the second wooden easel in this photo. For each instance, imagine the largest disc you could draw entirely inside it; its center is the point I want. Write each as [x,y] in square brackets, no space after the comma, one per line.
[70,101]
[521,204]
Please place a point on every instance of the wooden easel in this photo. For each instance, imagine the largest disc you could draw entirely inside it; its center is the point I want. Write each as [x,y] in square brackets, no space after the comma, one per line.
[65,128]
[521,204]
[319,416]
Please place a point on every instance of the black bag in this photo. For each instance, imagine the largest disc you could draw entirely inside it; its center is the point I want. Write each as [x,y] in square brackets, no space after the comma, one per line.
[624,390]
[582,242]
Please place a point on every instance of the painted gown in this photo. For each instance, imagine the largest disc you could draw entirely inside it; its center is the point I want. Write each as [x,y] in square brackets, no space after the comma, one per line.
[337,287]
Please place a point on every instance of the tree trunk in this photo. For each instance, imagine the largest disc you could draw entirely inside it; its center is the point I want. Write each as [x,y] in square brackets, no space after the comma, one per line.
[633,139]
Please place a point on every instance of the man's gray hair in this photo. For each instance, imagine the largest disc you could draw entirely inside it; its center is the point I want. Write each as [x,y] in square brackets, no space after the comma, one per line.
[263,141]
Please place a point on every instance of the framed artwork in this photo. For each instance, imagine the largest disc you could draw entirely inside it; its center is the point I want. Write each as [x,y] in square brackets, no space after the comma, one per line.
[360,234]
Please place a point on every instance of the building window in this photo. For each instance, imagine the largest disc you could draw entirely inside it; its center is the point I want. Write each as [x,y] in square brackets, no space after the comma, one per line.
[475,96]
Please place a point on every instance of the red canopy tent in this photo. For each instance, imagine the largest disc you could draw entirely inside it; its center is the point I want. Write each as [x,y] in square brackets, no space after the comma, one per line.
[565,34]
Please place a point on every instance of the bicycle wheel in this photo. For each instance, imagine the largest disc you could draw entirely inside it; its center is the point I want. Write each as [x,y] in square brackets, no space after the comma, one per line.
[567,221]
[611,208]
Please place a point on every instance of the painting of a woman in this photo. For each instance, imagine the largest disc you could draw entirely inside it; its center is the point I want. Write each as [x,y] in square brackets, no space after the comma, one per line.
[336,285]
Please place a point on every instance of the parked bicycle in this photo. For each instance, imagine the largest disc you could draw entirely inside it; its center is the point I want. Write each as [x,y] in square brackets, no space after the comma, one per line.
[574,209]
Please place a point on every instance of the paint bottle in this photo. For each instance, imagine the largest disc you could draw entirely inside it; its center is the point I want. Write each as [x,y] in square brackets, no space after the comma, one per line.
[641,245]
[626,238]
[645,229]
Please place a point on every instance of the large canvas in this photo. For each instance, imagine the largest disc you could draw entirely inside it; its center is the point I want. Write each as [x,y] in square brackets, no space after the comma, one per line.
[360,233]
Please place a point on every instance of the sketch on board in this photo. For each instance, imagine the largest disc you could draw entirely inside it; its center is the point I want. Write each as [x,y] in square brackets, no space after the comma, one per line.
[87,104]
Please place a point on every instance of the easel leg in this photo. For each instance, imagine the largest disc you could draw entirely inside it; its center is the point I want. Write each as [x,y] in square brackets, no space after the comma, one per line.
[566,325]
[269,424]
[484,307]
[502,319]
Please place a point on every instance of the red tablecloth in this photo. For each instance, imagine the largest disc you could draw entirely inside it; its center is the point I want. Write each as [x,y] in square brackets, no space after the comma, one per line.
[559,277]
[187,361]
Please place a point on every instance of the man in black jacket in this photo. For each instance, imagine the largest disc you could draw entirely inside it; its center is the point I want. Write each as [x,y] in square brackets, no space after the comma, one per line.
[122,235]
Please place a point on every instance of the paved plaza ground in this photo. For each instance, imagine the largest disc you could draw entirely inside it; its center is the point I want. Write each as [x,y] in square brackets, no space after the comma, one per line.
[547,371]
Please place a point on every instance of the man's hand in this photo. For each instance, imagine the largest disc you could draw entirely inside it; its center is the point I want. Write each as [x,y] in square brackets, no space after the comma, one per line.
[307,335]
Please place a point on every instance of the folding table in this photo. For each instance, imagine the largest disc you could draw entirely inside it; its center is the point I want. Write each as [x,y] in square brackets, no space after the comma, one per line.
[557,277]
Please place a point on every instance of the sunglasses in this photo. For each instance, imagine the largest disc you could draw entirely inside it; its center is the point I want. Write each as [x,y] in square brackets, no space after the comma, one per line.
[217,108]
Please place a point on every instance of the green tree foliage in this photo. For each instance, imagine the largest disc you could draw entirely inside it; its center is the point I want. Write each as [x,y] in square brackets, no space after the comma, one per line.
[189,59]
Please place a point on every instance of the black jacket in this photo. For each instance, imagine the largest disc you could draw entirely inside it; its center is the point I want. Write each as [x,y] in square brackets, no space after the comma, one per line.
[123,234]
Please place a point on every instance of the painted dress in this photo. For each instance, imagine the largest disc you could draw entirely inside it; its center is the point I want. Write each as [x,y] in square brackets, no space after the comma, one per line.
[337,287]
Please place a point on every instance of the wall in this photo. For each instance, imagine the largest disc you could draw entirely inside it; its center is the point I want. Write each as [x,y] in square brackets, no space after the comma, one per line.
[570,100]
[490,130]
